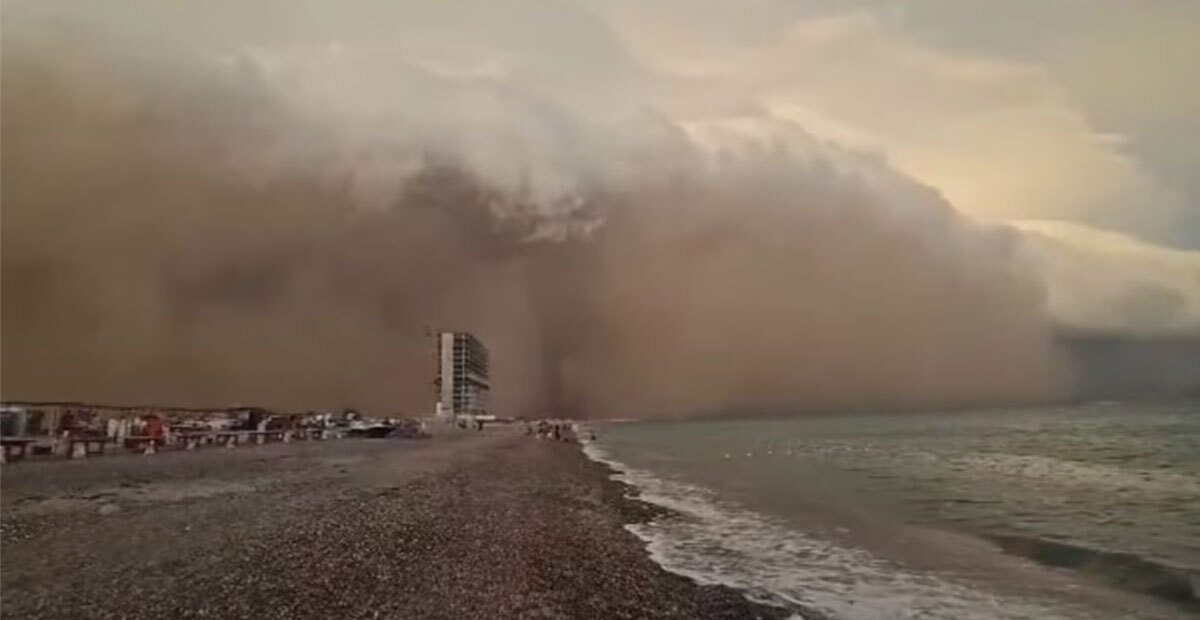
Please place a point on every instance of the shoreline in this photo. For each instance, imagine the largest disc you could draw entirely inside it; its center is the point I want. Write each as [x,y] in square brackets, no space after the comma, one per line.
[1022,573]
[466,524]
[637,511]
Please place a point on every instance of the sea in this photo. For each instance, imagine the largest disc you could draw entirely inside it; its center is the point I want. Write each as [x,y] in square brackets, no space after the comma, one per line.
[1075,512]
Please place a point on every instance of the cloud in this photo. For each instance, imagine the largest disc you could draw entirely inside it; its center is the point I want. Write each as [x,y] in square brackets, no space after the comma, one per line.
[1007,130]
[1001,139]
[247,204]
[1103,281]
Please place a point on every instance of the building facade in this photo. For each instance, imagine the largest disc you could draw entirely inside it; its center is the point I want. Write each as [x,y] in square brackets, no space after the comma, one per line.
[463,375]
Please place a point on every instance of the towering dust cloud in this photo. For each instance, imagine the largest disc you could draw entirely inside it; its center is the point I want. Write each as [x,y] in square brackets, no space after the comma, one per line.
[193,218]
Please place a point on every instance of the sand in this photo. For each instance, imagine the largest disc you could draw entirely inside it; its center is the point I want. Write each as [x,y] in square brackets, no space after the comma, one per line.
[465,525]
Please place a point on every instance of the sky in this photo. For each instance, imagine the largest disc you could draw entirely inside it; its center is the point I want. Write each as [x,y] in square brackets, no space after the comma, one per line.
[1073,120]
[262,201]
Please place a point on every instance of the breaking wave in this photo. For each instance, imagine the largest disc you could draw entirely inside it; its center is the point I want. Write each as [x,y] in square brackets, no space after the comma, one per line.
[717,542]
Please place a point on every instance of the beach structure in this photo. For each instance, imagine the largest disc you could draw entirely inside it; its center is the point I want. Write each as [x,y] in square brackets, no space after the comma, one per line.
[463,384]
[77,430]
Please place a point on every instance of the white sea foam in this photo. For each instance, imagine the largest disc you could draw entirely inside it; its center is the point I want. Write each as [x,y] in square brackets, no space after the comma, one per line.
[1048,470]
[715,542]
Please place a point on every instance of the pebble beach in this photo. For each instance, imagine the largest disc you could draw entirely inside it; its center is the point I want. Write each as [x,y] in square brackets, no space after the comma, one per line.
[465,525]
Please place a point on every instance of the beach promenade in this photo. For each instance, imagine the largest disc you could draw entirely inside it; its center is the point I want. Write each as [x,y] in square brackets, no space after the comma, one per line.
[464,525]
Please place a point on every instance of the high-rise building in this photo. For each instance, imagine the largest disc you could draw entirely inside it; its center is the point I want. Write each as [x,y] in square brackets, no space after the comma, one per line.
[463,374]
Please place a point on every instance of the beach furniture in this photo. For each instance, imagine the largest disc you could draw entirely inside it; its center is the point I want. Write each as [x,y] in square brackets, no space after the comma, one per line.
[14,448]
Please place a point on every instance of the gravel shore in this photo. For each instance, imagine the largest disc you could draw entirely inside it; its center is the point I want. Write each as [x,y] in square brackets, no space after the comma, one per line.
[465,525]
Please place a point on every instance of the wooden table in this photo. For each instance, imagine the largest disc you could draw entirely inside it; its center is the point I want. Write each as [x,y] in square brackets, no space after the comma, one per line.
[88,442]
[192,439]
[264,436]
[311,432]
[141,442]
[229,438]
[15,448]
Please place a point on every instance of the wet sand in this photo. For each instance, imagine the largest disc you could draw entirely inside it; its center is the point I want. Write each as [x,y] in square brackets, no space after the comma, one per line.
[465,525]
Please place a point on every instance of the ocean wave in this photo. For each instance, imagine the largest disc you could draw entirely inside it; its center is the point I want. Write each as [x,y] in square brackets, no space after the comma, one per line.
[1128,571]
[715,542]
[1049,470]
